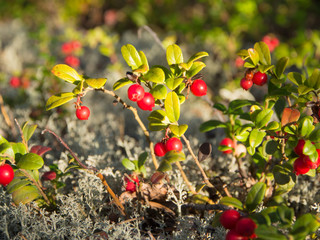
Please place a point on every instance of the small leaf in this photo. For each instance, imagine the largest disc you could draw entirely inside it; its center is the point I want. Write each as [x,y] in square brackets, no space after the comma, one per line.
[159,91]
[256,137]
[172,107]
[25,195]
[281,66]
[121,83]
[197,56]
[255,196]
[263,53]
[164,166]
[272,126]
[220,107]
[66,73]
[296,78]
[265,232]
[142,159]
[254,56]
[315,78]
[305,225]
[309,148]
[262,117]
[211,124]
[195,68]
[204,151]
[265,68]
[40,150]
[174,156]
[96,82]
[157,177]
[243,53]
[131,56]
[230,201]
[28,130]
[6,150]
[239,103]
[16,183]
[289,115]
[30,161]
[128,164]
[302,89]
[174,55]
[178,130]
[173,83]
[144,61]
[59,99]
[306,126]
[155,75]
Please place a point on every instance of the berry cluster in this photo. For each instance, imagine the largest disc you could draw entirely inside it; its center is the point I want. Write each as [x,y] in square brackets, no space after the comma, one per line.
[6,174]
[144,99]
[303,163]
[239,149]
[271,41]
[161,148]
[68,49]
[16,82]
[131,184]
[240,228]
[251,78]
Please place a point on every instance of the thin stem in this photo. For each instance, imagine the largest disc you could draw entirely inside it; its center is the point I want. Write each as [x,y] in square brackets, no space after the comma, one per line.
[185,178]
[5,114]
[21,134]
[243,174]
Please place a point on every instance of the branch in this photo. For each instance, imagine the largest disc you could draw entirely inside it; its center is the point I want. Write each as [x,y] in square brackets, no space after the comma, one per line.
[184,176]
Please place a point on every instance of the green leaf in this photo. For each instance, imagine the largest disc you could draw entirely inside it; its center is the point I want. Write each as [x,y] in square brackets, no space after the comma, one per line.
[211,124]
[164,166]
[172,107]
[254,56]
[306,126]
[159,91]
[174,156]
[243,53]
[284,177]
[305,225]
[263,53]
[230,201]
[66,73]
[25,195]
[131,56]
[272,126]
[281,66]
[197,56]
[315,135]
[178,130]
[302,89]
[309,148]
[59,99]
[158,120]
[16,183]
[265,232]
[96,82]
[239,103]
[6,150]
[173,83]
[285,214]
[30,161]
[249,64]
[296,78]
[220,107]
[121,83]
[128,164]
[28,130]
[256,138]
[265,68]
[3,140]
[262,117]
[79,87]
[255,196]
[195,68]
[142,159]
[271,146]
[155,75]
[144,61]
[315,78]
[174,54]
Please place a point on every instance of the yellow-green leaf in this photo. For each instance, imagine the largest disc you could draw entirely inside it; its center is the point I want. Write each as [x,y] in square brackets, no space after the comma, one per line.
[25,195]
[131,56]
[59,99]
[174,54]
[197,56]
[172,107]
[96,82]
[155,74]
[121,83]
[66,73]
[178,130]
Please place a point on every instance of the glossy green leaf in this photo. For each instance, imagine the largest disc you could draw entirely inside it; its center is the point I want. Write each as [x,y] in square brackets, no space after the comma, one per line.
[231,201]
[128,164]
[262,117]
[25,195]
[173,83]
[6,150]
[265,232]
[30,161]
[302,89]
[159,91]
[272,126]
[157,115]
[79,87]
[212,124]
[309,148]
[174,54]
[265,68]
[158,120]
[195,68]
[296,78]
[315,79]
[263,53]
[142,159]
[164,166]
[19,149]
[182,98]
[28,130]
[59,99]
[243,53]
[66,73]
[131,56]
[197,56]
[305,225]
[254,56]
[96,82]
[256,137]
[16,183]
[315,135]
[178,130]
[255,196]
[144,61]
[306,126]
[285,214]
[174,156]
[281,66]
[155,75]
[270,146]
[220,107]
[121,83]
[2,140]
[239,103]
[172,107]
[249,64]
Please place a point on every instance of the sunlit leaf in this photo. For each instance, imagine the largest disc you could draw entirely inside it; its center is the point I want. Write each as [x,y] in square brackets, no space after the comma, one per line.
[59,99]
[66,73]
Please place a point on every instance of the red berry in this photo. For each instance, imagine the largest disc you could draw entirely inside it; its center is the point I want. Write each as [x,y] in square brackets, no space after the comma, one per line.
[309,163]
[131,186]
[174,144]
[229,218]
[72,61]
[300,166]
[260,78]
[246,84]
[245,227]
[75,45]
[233,235]
[48,176]
[229,143]
[83,113]
[160,149]
[6,174]
[239,62]
[199,88]
[135,92]
[271,41]
[15,82]
[66,48]
[147,102]
[299,148]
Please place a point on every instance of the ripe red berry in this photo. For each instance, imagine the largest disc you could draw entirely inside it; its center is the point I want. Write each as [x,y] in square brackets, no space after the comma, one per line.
[75,45]
[199,88]
[300,166]
[72,61]
[260,78]
[229,143]
[147,102]
[15,82]
[160,149]
[135,92]
[131,186]
[83,113]
[299,148]
[6,174]
[174,144]
[309,163]
[246,84]
[66,48]
[233,235]
[245,227]
[48,176]
[229,218]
